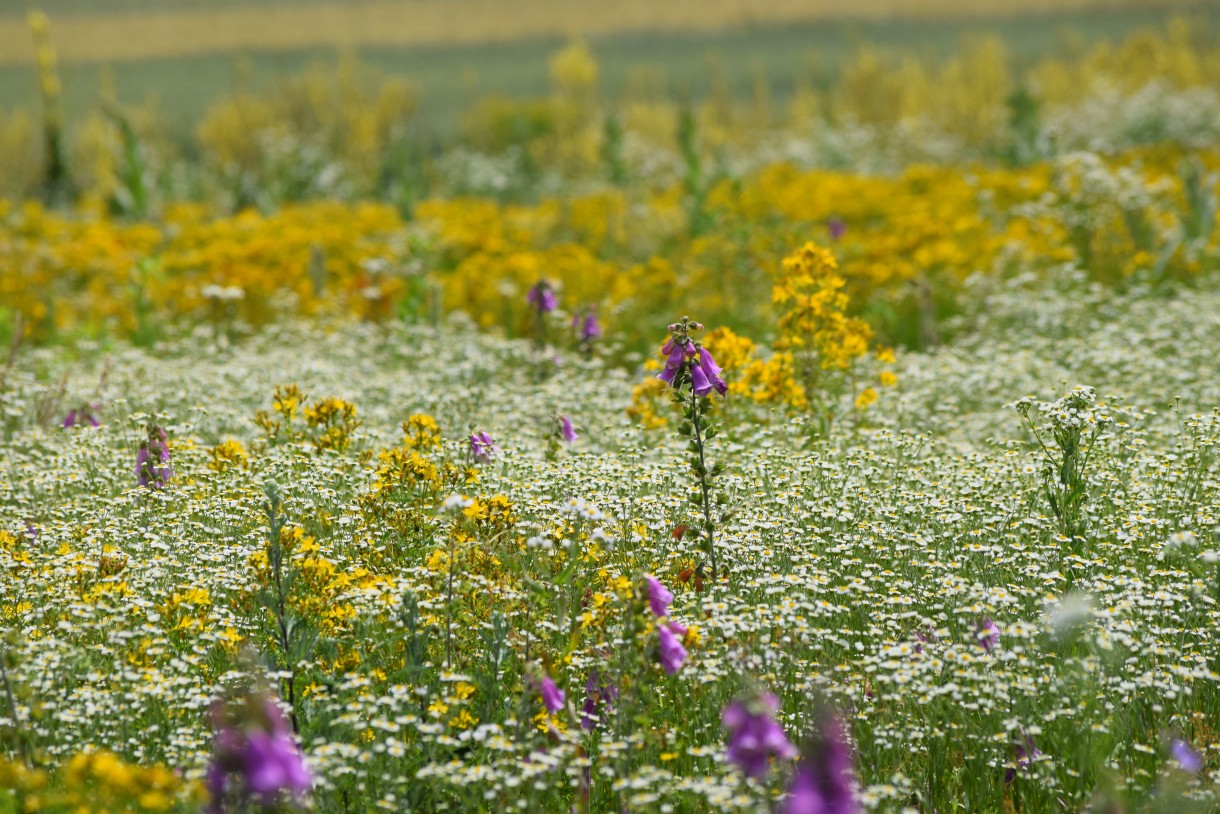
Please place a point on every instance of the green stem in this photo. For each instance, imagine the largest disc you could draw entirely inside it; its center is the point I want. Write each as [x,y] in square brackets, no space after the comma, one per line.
[708,528]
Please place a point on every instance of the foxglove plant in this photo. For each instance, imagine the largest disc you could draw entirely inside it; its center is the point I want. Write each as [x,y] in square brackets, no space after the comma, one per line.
[293,638]
[600,695]
[670,650]
[255,761]
[755,736]
[84,415]
[987,634]
[562,432]
[541,299]
[153,469]
[823,780]
[553,698]
[693,375]
[587,329]
[482,447]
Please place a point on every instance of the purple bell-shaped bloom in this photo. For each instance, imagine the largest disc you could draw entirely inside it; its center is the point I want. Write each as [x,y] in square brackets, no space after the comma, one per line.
[86,414]
[836,227]
[672,653]
[676,354]
[482,447]
[598,695]
[1188,759]
[699,381]
[272,765]
[586,325]
[566,431]
[153,470]
[712,371]
[542,297]
[552,697]
[823,780]
[755,736]
[988,634]
[255,759]
[659,596]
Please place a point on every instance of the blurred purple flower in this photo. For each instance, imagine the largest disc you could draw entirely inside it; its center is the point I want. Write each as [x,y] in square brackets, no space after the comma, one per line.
[153,469]
[823,780]
[257,753]
[673,654]
[542,297]
[659,596]
[85,414]
[836,227]
[482,447]
[755,736]
[587,326]
[599,697]
[566,431]
[553,697]
[1188,759]
[1024,753]
[988,634]
[927,634]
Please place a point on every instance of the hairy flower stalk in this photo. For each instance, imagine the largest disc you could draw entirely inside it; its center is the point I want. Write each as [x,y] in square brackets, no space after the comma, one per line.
[277,596]
[541,299]
[689,363]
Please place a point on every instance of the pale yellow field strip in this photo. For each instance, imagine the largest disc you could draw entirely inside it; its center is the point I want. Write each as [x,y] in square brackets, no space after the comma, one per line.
[130,36]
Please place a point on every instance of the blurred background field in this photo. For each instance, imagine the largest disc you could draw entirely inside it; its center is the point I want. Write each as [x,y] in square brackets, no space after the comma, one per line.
[403,160]
[180,56]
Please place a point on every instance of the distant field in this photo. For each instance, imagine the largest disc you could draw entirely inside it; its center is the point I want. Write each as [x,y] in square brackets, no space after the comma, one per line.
[129,30]
[451,69]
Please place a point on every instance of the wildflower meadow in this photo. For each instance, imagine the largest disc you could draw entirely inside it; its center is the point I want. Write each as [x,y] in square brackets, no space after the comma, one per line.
[842,444]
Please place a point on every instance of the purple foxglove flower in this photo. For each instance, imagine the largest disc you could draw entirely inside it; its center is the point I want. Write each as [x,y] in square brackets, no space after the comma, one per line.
[566,432]
[836,227]
[153,469]
[755,736]
[482,447]
[255,751]
[1025,753]
[676,355]
[85,414]
[712,371]
[673,654]
[542,297]
[273,764]
[823,780]
[928,634]
[597,695]
[552,697]
[591,329]
[587,325]
[699,381]
[659,596]
[1188,759]
[988,634]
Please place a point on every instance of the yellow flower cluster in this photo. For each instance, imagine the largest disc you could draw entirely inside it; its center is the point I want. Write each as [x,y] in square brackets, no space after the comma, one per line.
[421,431]
[86,273]
[815,325]
[329,423]
[228,455]
[98,783]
